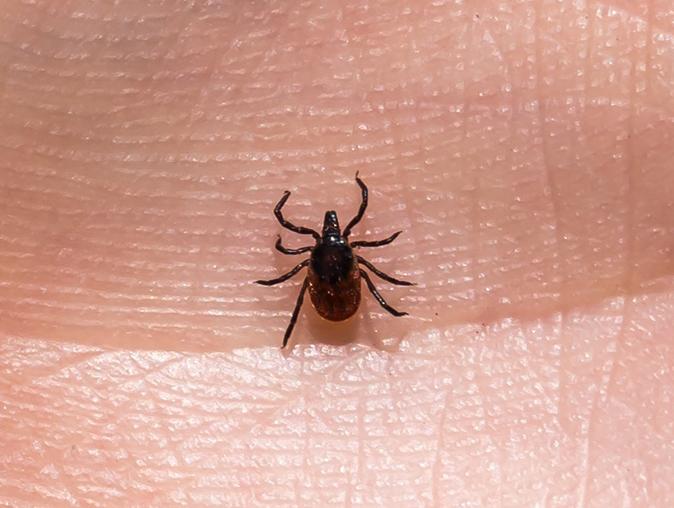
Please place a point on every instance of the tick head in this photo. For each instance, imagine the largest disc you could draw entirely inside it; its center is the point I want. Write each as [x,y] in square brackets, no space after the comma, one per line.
[331,231]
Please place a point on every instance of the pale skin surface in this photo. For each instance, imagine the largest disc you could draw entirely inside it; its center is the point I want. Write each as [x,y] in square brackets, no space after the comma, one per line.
[525,148]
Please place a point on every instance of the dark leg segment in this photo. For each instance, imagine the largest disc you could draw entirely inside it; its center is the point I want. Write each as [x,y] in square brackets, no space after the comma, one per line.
[286,250]
[379,298]
[376,243]
[381,274]
[296,313]
[361,210]
[285,276]
[289,225]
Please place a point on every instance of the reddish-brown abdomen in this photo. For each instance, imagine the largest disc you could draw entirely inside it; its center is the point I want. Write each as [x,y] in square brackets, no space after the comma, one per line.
[335,301]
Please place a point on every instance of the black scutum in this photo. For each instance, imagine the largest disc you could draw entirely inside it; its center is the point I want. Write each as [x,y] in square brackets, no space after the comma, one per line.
[332,258]
[332,262]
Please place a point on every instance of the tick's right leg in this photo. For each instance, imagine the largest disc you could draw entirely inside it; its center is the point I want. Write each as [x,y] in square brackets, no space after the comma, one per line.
[376,243]
[289,225]
[383,275]
[361,210]
[379,298]
[286,250]
[285,276]
[296,313]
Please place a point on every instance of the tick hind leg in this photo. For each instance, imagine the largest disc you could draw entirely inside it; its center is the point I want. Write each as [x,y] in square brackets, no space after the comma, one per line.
[361,210]
[296,313]
[285,276]
[379,298]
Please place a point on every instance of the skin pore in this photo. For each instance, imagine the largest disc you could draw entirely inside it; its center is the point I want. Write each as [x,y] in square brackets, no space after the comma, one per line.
[525,150]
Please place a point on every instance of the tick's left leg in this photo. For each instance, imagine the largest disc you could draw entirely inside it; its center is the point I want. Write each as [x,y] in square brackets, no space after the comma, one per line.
[381,274]
[289,225]
[361,210]
[296,313]
[292,252]
[285,276]
[380,299]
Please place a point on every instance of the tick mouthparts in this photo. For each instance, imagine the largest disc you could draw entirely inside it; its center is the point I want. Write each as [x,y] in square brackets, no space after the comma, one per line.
[331,224]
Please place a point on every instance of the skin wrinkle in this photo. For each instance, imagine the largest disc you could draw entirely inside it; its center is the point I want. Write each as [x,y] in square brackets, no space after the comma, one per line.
[439,449]
[305,412]
[119,189]
[587,466]
[629,285]
[589,459]
[551,190]
[475,210]
[490,438]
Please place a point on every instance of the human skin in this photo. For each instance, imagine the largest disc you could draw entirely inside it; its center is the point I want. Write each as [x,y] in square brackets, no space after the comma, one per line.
[524,148]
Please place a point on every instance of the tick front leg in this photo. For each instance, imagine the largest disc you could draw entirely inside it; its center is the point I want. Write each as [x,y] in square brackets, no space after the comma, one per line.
[376,243]
[289,225]
[381,274]
[380,299]
[291,252]
[285,276]
[361,210]
[296,313]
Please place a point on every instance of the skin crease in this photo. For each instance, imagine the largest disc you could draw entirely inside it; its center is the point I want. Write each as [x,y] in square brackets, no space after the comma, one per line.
[524,148]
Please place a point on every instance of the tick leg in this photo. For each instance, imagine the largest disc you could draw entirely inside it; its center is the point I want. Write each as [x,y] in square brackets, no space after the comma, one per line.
[381,274]
[296,313]
[289,225]
[361,210]
[285,276]
[376,243]
[379,298]
[286,250]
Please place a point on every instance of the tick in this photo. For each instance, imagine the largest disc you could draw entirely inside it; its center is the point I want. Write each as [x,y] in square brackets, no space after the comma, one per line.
[334,270]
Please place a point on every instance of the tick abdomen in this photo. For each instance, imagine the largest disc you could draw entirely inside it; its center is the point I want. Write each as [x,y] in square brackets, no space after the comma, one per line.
[335,302]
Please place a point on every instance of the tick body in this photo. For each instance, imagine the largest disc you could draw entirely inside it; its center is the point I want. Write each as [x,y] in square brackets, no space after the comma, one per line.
[334,279]
[334,270]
